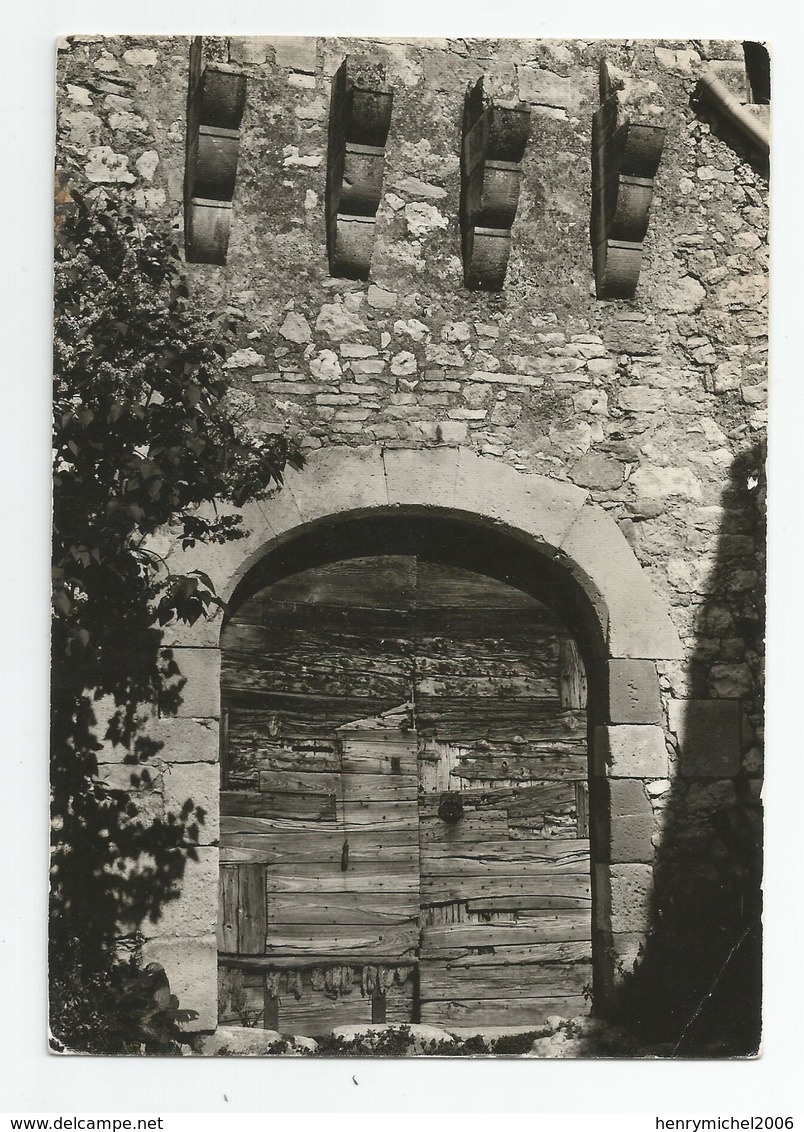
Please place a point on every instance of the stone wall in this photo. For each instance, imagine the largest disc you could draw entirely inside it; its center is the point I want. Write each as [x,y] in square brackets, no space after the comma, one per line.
[656,406]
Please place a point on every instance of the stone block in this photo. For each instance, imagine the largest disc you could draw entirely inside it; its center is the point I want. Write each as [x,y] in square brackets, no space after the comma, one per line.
[198,783]
[184,740]
[627,798]
[422,477]
[598,471]
[297,53]
[634,692]
[194,912]
[539,506]
[191,964]
[623,832]
[337,481]
[624,893]
[709,736]
[145,792]
[251,50]
[195,691]
[624,952]
[630,838]
[631,615]
[630,751]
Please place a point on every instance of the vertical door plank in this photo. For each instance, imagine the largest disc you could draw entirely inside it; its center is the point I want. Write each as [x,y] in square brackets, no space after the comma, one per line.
[228,890]
[251,910]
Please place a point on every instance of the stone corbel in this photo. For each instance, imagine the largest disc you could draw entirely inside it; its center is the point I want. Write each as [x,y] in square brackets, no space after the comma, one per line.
[494,140]
[359,120]
[215,103]
[626,151]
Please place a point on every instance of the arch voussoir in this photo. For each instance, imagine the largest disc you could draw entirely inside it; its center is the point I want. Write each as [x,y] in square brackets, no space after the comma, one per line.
[554,518]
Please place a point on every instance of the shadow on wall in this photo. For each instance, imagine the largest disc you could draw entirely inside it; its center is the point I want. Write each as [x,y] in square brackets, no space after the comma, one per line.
[118,851]
[696,987]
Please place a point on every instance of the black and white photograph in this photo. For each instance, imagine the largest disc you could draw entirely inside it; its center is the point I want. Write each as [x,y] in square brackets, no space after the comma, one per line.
[409,494]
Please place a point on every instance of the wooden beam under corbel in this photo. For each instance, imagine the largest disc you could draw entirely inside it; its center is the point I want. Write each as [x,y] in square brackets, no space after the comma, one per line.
[495,137]
[359,121]
[626,151]
[215,103]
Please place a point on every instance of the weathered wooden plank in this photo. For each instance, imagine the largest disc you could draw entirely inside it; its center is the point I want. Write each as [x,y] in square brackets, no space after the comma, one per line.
[378,758]
[448,981]
[558,766]
[318,1014]
[371,866]
[318,653]
[506,687]
[246,677]
[582,808]
[403,833]
[499,863]
[533,903]
[454,913]
[300,781]
[556,951]
[343,882]
[307,715]
[252,748]
[515,852]
[327,852]
[360,812]
[572,675]
[558,926]
[517,799]
[505,1012]
[343,908]
[240,997]
[548,725]
[488,658]
[288,805]
[399,1004]
[260,964]
[295,804]
[394,941]
[379,787]
[322,842]
[251,910]
[444,890]
[468,719]
[232,856]
[487,625]
[228,896]
[472,828]
[438,586]
[347,582]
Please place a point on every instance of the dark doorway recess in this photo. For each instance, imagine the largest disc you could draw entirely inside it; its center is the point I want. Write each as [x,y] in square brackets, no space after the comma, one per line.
[405,784]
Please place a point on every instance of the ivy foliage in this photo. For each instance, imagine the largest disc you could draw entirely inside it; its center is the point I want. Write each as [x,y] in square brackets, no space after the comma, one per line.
[143,439]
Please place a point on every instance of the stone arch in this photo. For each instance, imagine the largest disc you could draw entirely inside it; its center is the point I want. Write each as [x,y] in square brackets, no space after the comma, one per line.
[558,526]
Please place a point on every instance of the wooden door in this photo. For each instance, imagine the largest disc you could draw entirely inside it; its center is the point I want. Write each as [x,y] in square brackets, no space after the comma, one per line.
[505,870]
[351,888]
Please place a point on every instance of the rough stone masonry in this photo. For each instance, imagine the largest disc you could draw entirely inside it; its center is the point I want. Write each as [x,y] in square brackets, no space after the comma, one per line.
[655,406]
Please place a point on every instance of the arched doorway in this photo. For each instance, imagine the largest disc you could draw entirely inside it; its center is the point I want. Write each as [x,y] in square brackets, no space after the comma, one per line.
[404,813]
[477,514]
